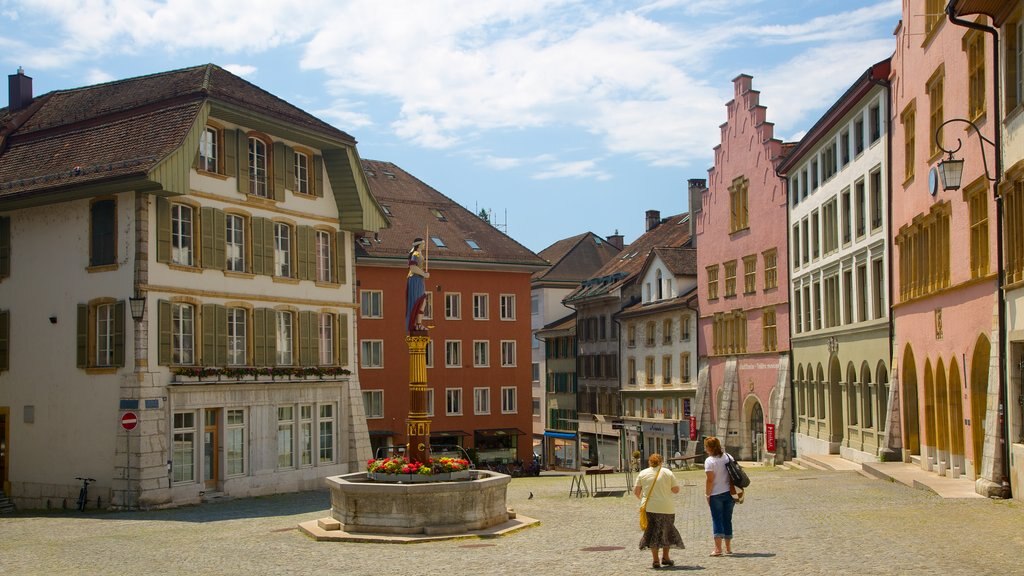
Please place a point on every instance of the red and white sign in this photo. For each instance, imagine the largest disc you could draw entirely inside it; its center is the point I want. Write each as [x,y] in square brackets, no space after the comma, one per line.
[129,420]
[693,427]
[769,437]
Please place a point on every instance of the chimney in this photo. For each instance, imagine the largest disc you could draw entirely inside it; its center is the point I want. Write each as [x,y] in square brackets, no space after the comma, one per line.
[653,219]
[615,240]
[695,188]
[19,94]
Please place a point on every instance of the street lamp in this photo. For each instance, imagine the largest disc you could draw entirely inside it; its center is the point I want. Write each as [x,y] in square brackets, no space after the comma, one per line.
[138,307]
[951,170]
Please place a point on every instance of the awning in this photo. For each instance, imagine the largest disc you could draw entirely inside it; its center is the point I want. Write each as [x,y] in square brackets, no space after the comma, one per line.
[500,432]
[449,434]
[563,435]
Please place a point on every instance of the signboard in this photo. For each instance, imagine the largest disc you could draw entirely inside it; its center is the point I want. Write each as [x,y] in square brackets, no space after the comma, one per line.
[129,421]
[769,437]
[693,427]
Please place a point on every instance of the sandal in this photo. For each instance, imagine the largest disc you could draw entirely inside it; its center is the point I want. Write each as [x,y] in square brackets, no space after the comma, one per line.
[655,565]
[715,553]
[667,562]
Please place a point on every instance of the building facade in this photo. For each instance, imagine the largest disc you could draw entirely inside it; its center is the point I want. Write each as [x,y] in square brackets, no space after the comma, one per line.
[479,392]
[744,340]
[561,445]
[177,250]
[837,183]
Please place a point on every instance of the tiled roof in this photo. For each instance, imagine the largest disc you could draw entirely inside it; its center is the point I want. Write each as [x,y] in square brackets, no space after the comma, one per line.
[417,210]
[123,127]
[642,308]
[576,258]
[671,232]
[679,261]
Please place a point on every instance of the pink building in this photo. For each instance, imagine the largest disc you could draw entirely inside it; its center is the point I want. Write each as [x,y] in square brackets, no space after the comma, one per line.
[742,268]
[944,261]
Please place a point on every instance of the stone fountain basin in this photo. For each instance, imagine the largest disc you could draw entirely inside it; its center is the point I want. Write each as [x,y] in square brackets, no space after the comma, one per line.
[432,508]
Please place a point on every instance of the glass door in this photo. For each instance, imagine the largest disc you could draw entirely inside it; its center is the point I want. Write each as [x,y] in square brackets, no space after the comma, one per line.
[211,447]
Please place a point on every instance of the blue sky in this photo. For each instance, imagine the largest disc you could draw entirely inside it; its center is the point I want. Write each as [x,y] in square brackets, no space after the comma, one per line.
[560,116]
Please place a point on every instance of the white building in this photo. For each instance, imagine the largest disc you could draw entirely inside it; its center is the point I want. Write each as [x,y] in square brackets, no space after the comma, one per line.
[228,214]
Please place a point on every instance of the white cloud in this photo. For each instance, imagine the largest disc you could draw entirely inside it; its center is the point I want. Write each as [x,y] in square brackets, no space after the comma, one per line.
[243,70]
[578,169]
[9,14]
[97,76]
[343,114]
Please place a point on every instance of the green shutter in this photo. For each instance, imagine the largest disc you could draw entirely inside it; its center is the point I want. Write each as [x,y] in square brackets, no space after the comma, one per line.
[302,253]
[311,254]
[222,336]
[213,238]
[230,153]
[163,230]
[341,258]
[257,225]
[243,161]
[268,248]
[289,169]
[279,171]
[163,356]
[219,240]
[318,175]
[119,333]
[5,340]
[206,236]
[259,336]
[303,336]
[82,337]
[208,320]
[342,332]
[5,246]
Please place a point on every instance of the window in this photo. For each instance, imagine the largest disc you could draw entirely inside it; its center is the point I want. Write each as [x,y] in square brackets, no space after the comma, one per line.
[103,233]
[649,370]
[508,306]
[284,338]
[875,179]
[649,340]
[829,226]
[666,370]
[815,243]
[878,287]
[831,285]
[1013,206]
[371,303]
[373,403]
[234,442]
[324,266]
[453,401]
[859,213]
[481,400]
[305,435]
[481,353]
[862,293]
[816,294]
[183,334]
[234,242]
[282,250]
[794,190]
[684,367]
[508,400]
[452,306]
[975,45]
[453,353]
[977,204]
[798,326]
[285,437]
[874,122]
[908,118]
[749,273]
[712,282]
[237,320]
[508,353]
[209,150]
[371,354]
[933,15]
[302,173]
[182,234]
[438,241]
[730,278]
[472,244]
[325,332]
[858,136]
[684,327]
[935,93]
[738,205]
[845,215]
[1015,65]
[848,297]
[438,214]
[796,245]
[814,175]
[326,424]
[257,167]
[666,331]
[430,401]
[183,464]
[105,331]
[631,335]
[430,353]
[844,148]
[805,236]
[479,306]
[631,370]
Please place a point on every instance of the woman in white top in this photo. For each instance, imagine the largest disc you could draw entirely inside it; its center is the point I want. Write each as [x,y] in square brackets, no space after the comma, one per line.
[661,511]
[719,490]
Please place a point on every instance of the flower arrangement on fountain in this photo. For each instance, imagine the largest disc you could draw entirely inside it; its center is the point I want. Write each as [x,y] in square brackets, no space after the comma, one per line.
[401,465]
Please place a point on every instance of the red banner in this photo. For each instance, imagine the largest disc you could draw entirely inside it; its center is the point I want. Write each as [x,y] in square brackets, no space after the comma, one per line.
[693,427]
[769,437]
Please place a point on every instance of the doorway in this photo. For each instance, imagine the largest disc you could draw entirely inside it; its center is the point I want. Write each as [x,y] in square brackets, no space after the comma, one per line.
[211,447]
[757,431]
[911,432]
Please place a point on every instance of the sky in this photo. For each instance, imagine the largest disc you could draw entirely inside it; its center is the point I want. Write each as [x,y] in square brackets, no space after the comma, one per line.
[557,117]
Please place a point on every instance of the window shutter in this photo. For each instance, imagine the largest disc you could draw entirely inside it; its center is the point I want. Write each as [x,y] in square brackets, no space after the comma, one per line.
[243,161]
[163,356]
[163,230]
[222,336]
[264,336]
[257,245]
[230,152]
[5,340]
[219,239]
[119,333]
[318,175]
[279,171]
[342,331]
[305,338]
[289,169]
[5,246]
[341,258]
[209,331]
[206,234]
[302,253]
[82,337]
[213,238]
[311,257]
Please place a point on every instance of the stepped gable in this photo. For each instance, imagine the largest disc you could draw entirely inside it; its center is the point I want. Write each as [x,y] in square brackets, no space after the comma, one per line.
[417,210]
[123,128]
[744,112]
[575,258]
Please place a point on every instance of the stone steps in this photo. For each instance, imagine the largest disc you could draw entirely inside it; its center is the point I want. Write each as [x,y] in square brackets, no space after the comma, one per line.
[6,505]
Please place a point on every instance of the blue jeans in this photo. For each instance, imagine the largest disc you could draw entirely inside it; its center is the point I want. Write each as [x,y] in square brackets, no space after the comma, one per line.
[721,515]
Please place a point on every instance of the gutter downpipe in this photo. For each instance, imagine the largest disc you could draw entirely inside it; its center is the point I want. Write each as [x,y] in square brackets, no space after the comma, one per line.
[789,322]
[1000,287]
[696,365]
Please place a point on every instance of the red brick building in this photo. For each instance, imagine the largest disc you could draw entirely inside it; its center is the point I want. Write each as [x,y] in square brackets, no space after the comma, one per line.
[478,311]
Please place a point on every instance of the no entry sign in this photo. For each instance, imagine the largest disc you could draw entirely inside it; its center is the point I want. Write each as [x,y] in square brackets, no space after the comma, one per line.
[129,421]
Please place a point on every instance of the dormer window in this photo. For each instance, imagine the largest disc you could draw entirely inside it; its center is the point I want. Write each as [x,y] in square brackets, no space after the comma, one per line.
[438,242]
[363,240]
[209,150]
[472,244]
[386,209]
[438,214]
[301,173]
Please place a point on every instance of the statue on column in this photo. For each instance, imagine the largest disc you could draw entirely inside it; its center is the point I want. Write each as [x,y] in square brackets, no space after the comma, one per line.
[415,290]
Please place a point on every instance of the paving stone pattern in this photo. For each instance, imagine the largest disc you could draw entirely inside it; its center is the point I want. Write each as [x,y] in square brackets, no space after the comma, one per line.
[793,522]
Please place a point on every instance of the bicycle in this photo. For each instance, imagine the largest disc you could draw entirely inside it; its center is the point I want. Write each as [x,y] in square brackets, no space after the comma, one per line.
[83,494]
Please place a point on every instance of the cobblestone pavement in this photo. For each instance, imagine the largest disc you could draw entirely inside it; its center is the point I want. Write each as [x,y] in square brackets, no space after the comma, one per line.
[793,522]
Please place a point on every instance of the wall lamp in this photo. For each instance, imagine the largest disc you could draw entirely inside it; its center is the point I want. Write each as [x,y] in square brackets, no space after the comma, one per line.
[138,307]
[951,170]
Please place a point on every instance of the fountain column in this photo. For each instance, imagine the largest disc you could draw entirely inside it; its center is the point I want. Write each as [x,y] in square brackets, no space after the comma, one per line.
[417,424]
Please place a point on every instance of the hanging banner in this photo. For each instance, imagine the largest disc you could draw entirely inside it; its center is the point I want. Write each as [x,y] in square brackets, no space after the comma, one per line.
[693,427]
[769,437]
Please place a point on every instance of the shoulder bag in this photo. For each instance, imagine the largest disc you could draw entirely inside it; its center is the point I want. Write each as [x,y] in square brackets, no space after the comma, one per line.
[737,475]
[643,507]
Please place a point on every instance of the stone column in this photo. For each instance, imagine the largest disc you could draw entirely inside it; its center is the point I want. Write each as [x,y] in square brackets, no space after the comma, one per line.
[417,424]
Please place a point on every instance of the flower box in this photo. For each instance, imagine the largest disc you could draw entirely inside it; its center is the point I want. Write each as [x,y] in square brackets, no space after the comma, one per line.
[418,478]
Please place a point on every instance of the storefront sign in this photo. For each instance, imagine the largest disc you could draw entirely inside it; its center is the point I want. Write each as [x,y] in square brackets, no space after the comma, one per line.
[656,428]
[769,437]
[693,427]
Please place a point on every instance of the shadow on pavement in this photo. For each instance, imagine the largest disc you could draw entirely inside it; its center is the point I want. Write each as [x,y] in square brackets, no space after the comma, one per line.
[753,554]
